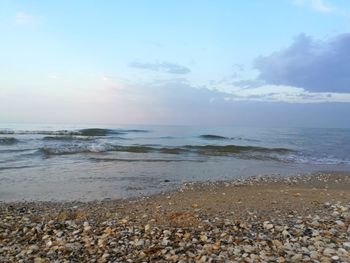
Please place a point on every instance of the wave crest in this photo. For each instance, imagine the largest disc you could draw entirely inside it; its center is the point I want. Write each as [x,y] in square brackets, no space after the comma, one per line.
[222,149]
[81,132]
[212,150]
[213,137]
[8,140]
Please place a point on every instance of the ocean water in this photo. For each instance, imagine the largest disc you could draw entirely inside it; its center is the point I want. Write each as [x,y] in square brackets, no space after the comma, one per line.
[87,162]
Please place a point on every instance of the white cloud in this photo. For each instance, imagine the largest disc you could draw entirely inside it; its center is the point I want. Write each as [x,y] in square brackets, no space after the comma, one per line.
[176,101]
[288,94]
[182,92]
[22,18]
[314,65]
[179,101]
[317,5]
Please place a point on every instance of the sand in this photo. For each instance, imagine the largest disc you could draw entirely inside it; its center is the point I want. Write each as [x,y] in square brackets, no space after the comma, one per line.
[204,222]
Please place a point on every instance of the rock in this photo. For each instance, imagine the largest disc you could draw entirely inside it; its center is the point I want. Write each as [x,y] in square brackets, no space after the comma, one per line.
[267,225]
[285,234]
[203,238]
[328,252]
[106,233]
[346,244]
[248,248]
[49,243]
[140,243]
[314,254]
[34,248]
[39,260]
[87,228]
[340,223]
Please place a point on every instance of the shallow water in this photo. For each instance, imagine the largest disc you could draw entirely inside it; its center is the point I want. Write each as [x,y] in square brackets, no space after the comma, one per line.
[64,162]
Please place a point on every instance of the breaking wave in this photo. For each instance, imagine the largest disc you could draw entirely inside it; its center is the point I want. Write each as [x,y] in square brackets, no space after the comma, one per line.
[219,137]
[15,167]
[76,148]
[213,137]
[60,132]
[81,132]
[131,130]
[8,141]
[96,148]
[94,132]
[209,150]
[68,138]
[227,149]
[143,160]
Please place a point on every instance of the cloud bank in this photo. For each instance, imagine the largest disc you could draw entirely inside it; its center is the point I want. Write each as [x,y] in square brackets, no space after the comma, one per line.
[161,67]
[111,100]
[317,66]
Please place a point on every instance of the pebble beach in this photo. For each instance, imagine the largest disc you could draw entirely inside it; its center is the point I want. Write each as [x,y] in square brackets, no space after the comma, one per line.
[175,131]
[260,219]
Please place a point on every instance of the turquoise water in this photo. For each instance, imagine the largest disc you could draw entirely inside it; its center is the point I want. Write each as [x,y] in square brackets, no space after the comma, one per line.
[65,162]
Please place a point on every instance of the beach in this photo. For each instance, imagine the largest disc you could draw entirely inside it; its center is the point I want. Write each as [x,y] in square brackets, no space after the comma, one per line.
[256,219]
[175,131]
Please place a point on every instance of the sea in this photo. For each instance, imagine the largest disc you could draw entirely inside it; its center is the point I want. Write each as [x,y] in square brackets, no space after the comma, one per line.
[101,162]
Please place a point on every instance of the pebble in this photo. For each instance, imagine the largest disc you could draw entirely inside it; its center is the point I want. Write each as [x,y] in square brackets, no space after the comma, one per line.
[346,244]
[328,252]
[29,235]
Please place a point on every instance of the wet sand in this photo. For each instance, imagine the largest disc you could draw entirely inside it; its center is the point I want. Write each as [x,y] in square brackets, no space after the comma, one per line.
[291,219]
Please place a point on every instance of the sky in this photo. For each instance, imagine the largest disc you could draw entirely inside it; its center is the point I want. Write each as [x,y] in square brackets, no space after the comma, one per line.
[274,63]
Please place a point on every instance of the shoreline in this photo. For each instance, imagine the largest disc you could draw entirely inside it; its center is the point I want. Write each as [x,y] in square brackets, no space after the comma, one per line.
[255,219]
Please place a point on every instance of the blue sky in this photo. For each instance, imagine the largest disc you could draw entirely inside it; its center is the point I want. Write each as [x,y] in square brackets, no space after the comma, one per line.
[176,62]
